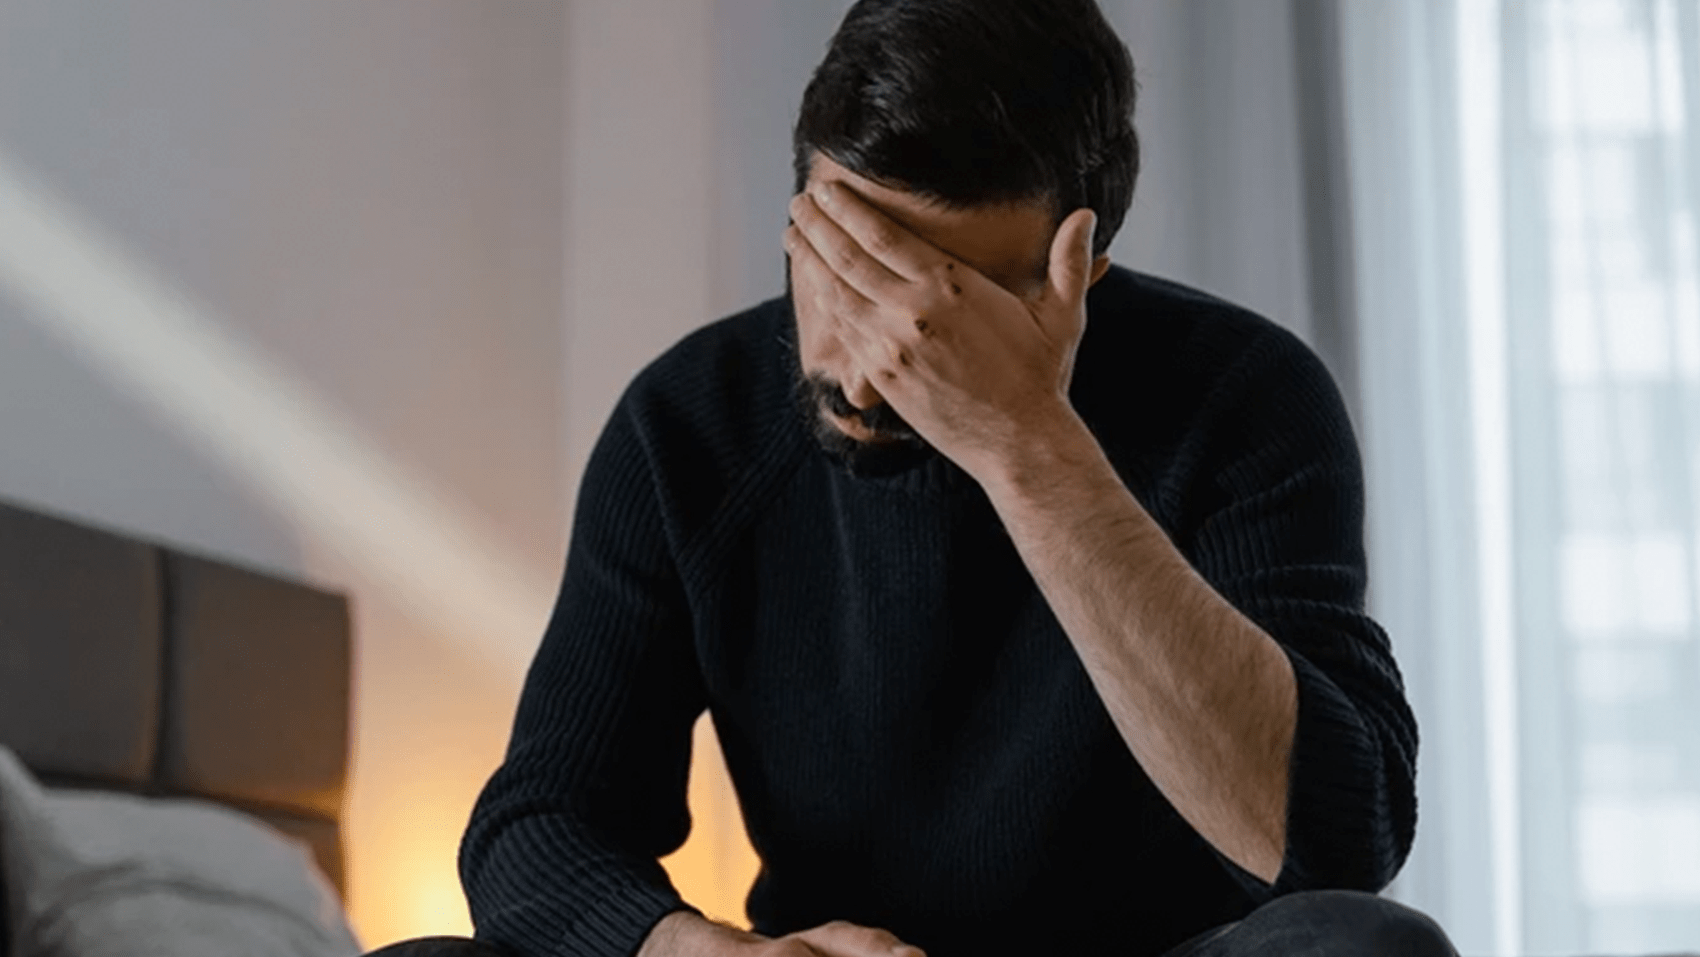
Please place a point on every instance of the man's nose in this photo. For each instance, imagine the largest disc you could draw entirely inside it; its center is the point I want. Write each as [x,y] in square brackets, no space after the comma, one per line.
[862,394]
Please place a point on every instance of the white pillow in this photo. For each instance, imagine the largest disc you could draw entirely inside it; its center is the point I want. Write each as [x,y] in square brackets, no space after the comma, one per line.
[93,874]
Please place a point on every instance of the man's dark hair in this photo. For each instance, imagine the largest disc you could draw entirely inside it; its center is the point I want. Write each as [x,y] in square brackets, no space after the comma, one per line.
[979,102]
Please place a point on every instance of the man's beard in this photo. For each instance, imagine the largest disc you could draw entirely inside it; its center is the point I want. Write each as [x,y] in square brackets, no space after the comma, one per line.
[895,443]
[818,395]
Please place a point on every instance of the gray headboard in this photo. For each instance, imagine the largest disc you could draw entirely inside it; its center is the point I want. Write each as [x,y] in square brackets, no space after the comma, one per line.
[127,665]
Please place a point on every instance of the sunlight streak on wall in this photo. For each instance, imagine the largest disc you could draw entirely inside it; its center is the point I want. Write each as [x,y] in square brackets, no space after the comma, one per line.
[303,458]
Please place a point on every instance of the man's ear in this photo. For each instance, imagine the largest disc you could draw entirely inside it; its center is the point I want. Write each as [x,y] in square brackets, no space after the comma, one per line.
[1100,266]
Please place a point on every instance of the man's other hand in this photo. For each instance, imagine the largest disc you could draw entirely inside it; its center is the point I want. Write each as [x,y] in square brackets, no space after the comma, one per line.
[843,939]
[973,367]
[684,934]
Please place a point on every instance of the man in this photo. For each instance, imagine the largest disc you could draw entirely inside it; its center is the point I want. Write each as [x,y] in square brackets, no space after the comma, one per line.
[1035,626]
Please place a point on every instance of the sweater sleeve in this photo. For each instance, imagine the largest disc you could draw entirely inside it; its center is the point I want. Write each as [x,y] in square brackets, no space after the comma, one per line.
[561,855]
[1280,535]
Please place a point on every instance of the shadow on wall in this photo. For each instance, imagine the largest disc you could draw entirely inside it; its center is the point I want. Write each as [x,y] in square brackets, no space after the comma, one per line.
[431,588]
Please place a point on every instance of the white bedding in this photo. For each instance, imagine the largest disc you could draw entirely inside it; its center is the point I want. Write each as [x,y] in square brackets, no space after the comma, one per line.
[94,874]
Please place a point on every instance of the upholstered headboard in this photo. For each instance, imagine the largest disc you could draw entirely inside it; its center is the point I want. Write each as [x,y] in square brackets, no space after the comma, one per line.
[127,665]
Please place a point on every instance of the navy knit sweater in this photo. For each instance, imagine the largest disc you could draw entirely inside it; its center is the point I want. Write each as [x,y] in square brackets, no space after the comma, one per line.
[914,742]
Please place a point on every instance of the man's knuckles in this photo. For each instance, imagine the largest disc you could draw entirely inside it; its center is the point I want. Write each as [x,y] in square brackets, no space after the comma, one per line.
[849,262]
[883,240]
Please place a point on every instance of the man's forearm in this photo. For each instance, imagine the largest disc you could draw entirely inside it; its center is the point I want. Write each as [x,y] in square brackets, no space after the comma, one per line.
[1205,700]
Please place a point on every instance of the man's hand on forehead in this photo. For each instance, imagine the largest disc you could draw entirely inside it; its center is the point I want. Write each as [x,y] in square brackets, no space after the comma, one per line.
[975,369]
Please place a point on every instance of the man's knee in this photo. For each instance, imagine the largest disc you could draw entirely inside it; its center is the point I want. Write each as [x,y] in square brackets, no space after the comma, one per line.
[439,947]
[1342,924]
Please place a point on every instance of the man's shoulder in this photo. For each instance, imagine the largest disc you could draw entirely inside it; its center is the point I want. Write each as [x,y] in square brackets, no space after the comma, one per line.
[1178,319]
[1178,340]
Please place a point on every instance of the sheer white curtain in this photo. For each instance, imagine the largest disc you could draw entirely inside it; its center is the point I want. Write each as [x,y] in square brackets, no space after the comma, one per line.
[1523,183]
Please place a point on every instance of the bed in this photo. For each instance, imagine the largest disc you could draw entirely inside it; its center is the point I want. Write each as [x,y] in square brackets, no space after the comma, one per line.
[174,736]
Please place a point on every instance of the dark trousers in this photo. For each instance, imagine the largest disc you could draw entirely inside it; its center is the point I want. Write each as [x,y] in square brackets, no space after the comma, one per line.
[1315,924]
[1325,924]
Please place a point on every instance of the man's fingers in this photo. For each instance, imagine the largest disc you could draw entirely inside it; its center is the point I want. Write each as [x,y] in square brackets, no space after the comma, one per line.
[881,237]
[844,253]
[841,304]
[816,278]
[844,939]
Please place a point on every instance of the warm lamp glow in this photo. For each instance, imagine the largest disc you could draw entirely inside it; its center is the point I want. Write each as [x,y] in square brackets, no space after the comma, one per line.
[412,888]
[715,868]
[421,902]
[434,905]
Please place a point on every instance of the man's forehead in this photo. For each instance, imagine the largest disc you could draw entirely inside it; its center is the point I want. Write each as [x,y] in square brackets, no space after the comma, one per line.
[1008,243]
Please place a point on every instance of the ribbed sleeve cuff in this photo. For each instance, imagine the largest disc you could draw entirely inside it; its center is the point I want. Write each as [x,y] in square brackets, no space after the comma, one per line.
[602,907]
[1340,832]
[622,921]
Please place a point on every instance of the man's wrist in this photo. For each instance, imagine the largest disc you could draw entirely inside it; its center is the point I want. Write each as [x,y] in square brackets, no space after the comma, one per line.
[1057,448]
